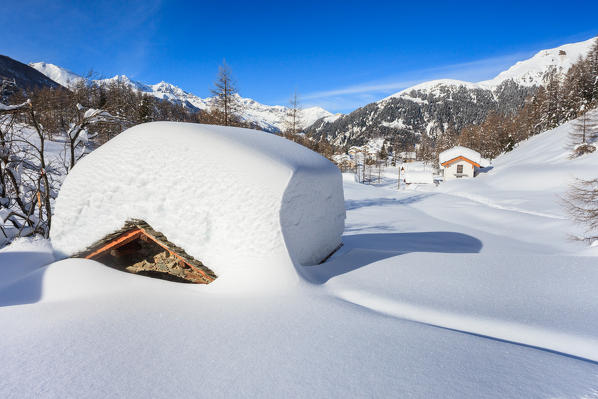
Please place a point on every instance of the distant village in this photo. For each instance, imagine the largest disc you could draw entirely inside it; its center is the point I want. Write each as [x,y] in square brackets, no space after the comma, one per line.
[374,163]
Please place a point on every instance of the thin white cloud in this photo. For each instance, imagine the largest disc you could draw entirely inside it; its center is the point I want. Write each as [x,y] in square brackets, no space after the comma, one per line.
[363,88]
[347,98]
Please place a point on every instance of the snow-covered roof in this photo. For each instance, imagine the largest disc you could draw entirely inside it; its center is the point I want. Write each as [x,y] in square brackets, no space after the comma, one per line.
[418,176]
[417,172]
[232,198]
[460,151]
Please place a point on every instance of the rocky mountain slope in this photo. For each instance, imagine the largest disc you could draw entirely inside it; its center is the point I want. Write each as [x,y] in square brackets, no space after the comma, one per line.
[433,107]
[15,75]
[268,117]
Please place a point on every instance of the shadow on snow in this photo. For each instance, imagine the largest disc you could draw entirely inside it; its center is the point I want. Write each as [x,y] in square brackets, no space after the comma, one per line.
[362,249]
[21,281]
[355,204]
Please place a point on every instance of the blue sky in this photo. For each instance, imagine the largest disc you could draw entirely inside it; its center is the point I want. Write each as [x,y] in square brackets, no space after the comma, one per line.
[339,55]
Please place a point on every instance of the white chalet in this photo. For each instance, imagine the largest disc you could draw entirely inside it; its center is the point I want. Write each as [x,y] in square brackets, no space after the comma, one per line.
[461,162]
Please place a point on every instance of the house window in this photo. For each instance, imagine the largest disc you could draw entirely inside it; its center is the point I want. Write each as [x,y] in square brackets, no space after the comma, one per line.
[459,168]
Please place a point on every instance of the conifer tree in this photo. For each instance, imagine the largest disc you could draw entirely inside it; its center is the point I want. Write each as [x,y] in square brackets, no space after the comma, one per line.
[552,108]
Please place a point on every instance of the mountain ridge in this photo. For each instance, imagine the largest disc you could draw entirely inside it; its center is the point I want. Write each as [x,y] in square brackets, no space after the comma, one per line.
[268,117]
[15,75]
[434,106]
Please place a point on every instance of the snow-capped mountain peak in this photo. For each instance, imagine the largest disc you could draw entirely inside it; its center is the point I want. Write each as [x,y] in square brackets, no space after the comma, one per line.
[268,117]
[433,87]
[125,80]
[432,107]
[534,70]
[60,75]
[531,72]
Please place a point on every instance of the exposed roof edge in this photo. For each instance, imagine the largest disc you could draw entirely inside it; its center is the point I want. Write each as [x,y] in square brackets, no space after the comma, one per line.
[157,237]
[460,158]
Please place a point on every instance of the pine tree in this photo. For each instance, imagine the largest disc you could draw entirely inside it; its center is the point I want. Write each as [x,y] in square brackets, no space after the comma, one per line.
[552,107]
[447,140]
[425,149]
[573,89]
[324,147]
[383,153]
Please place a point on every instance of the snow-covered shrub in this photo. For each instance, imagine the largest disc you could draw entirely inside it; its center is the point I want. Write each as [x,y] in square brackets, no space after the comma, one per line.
[582,149]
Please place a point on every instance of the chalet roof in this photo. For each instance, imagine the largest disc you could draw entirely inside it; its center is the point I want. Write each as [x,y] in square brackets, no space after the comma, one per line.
[139,225]
[459,153]
[460,158]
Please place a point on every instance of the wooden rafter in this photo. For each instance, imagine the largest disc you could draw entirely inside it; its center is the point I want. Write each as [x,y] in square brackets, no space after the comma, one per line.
[123,239]
[138,229]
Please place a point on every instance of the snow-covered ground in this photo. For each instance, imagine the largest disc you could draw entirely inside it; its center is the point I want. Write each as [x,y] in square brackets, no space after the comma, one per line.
[471,289]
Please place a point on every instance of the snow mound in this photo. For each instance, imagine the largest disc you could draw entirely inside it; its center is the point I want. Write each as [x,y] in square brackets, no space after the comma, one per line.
[236,199]
[460,151]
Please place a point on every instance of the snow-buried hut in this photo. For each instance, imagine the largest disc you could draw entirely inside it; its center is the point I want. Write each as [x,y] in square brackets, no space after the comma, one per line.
[210,200]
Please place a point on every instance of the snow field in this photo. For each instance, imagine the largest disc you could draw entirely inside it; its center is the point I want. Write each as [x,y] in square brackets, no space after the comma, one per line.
[468,290]
[410,306]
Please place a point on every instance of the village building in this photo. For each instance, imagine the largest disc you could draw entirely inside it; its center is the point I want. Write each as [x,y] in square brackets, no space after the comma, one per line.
[416,173]
[407,156]
[461,162]
[354,150]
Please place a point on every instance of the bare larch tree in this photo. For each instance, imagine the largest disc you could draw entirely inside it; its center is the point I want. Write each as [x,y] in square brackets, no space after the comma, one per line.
[582,205]
[293,123]
[226,103]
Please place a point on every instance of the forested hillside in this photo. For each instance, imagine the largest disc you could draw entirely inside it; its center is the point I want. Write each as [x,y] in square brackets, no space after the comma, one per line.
[491,116]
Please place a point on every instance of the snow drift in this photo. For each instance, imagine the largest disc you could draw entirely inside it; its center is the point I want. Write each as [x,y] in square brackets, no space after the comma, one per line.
[233,198]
